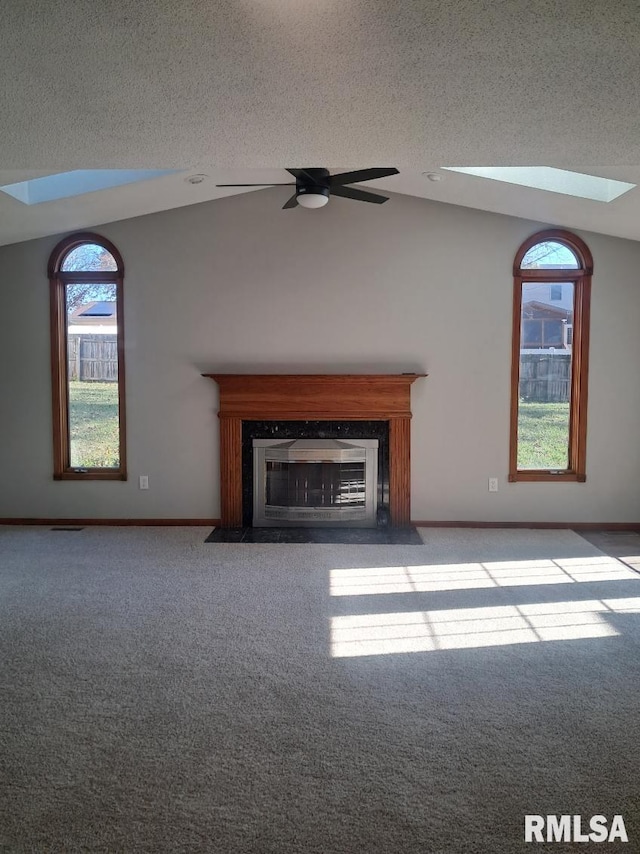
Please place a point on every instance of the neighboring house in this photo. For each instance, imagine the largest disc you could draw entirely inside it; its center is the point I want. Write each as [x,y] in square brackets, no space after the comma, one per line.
[546,326]
[96,313]
[558,294]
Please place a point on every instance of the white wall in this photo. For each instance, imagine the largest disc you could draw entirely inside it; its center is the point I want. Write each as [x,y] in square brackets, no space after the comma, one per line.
[239,285]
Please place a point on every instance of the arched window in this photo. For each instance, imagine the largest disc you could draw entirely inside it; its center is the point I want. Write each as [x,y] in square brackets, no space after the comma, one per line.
[87,359]
[552,289]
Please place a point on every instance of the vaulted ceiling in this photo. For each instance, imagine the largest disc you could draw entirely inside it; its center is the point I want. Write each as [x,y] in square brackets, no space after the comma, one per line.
[240,90]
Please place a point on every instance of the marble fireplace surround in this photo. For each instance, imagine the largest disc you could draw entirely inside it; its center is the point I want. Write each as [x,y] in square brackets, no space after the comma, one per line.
[314,397]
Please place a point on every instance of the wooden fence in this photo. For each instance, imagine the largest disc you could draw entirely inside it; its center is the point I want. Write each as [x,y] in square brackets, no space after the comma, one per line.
[545,377]
[93,358]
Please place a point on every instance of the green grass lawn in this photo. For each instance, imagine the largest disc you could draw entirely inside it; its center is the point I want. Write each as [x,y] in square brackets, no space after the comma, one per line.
[93,424]
[543,435]
[543,429]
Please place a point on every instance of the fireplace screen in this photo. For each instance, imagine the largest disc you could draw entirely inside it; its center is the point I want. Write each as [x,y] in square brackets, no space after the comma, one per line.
[315,482]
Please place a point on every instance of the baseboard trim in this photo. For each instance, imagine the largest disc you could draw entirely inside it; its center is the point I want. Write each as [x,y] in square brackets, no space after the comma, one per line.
[420,523]
[205,523]
[576,526]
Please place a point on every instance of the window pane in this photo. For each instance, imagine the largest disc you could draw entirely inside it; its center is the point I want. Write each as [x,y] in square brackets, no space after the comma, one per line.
[549,255]
[92,359]
[89,257]
[545,376]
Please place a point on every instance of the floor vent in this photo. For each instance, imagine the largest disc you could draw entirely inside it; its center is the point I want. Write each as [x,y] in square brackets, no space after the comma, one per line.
[67,529]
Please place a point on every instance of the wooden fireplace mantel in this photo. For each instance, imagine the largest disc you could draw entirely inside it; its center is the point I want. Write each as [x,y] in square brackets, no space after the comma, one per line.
[322,397]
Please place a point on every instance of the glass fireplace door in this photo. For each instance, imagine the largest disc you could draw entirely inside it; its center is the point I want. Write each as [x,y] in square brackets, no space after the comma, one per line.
[315,484]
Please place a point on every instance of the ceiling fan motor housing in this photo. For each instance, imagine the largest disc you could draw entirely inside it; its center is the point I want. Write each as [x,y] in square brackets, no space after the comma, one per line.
[318,187]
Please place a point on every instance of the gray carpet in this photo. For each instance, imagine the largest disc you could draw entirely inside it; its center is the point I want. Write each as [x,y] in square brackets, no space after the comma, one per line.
[160,694]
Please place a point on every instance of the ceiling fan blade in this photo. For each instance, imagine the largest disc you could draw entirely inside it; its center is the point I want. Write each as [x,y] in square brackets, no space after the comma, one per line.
[358,195]
[256,185]
[361,175]
[291,203]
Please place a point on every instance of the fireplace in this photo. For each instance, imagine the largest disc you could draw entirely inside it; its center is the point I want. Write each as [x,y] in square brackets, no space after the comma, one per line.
[367,405]
[315,482]
[369,434]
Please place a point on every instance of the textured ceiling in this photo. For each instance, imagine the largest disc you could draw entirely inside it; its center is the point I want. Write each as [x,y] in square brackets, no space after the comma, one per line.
[271,83]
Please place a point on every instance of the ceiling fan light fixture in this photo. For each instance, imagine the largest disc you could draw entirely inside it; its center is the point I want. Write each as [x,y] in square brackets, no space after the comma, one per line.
[312,199]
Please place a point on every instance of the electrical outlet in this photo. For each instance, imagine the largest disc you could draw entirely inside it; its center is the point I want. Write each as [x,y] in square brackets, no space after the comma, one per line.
[493,484]
[144,481]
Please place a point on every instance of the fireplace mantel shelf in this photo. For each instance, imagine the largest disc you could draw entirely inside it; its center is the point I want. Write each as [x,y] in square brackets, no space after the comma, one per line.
[299,397]
[308,396]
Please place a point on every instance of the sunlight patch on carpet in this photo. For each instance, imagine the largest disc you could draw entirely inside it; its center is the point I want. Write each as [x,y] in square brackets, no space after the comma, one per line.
[465,628]
[467,576]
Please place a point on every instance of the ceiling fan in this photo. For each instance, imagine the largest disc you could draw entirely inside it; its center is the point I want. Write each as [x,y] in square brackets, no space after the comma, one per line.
[314,186]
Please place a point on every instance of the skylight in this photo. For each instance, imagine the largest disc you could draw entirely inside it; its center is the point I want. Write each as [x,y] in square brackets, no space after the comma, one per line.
[551,179]
[64,185]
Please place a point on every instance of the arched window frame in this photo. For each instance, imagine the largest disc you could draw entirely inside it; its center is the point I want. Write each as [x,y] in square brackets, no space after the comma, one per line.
[581,279]
[58,280]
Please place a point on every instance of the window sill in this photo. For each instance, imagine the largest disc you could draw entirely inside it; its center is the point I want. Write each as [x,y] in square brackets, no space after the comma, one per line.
[91,474]
[546,477]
